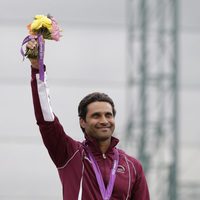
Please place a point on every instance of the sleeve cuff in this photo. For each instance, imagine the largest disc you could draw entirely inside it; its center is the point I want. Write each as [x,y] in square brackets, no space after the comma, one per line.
[36,71]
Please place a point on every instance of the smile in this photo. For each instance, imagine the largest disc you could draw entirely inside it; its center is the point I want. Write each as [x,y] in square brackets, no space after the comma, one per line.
[104,127]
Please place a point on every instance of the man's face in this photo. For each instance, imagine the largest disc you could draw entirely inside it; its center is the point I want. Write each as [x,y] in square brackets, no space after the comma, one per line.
[99,122]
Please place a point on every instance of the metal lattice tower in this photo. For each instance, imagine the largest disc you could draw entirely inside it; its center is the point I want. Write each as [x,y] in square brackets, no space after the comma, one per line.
[152,92]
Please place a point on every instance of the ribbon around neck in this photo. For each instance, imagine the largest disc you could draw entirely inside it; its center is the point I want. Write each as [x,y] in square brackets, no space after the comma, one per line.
[105,192]
[41,52]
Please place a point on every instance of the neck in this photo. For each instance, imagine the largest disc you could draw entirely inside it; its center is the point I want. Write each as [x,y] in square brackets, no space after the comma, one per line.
[104,145]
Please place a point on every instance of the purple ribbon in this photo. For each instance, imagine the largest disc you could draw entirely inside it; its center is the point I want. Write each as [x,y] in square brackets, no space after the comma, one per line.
[105,192]
[41,53]
[41,57]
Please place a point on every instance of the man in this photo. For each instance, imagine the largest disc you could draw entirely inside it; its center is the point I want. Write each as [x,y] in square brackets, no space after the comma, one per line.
[94,169]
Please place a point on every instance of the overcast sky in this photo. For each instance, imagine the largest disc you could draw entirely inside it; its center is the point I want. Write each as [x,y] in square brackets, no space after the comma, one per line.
[96,52]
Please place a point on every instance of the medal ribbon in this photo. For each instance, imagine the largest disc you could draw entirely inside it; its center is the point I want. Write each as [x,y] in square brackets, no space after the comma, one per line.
[105,192]
[41,53]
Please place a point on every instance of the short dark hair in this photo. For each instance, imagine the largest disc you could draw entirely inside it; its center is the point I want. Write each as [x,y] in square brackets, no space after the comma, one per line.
[93,97]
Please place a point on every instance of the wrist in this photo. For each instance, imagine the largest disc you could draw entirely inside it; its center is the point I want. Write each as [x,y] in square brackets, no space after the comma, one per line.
[34,63]
[36,70]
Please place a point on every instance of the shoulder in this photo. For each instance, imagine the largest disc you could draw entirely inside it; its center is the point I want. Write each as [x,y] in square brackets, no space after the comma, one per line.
[134,163]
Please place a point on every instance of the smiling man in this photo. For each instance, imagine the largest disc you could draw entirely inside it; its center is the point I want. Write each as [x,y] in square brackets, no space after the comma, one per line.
[98,122]
[94,169]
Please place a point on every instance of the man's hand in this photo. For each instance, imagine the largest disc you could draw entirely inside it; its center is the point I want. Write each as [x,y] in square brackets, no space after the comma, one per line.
[31,45]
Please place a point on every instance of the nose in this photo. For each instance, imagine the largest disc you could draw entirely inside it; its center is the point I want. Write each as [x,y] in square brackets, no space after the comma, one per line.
[103,120]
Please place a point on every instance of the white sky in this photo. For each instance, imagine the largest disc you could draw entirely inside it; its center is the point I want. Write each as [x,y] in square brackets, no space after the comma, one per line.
[21,157]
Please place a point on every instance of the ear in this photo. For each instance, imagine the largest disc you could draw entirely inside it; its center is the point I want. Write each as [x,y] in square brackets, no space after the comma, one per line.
[82,122]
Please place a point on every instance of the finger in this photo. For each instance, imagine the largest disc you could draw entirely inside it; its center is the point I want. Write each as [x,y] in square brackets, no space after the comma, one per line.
[32,44]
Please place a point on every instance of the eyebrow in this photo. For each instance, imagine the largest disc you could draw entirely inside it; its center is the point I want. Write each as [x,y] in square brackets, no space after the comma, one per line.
[99,113]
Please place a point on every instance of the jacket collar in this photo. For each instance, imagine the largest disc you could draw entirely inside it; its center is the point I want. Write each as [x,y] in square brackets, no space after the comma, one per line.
[92,143]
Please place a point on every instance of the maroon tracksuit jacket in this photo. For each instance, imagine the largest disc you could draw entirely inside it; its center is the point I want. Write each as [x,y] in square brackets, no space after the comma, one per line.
[74,167]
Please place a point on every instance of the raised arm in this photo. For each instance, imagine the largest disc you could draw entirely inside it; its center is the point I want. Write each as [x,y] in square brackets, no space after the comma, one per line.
[60,146]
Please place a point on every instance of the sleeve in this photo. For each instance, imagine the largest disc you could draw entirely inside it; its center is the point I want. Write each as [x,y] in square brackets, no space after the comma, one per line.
[59,145]
[140,189]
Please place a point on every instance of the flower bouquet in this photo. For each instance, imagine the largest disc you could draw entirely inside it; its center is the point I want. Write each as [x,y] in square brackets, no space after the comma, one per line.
[42,27]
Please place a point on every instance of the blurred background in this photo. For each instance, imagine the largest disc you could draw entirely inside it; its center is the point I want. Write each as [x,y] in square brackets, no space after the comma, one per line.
[143,53]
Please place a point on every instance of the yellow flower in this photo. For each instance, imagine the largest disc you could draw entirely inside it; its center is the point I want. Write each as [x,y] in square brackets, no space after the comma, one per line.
[41,21]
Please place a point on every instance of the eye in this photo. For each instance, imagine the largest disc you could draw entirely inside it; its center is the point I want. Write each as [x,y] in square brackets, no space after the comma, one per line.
[109,115]
[95,115]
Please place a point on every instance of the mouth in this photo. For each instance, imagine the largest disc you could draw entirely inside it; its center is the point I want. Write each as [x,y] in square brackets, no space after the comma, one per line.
[104,128]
